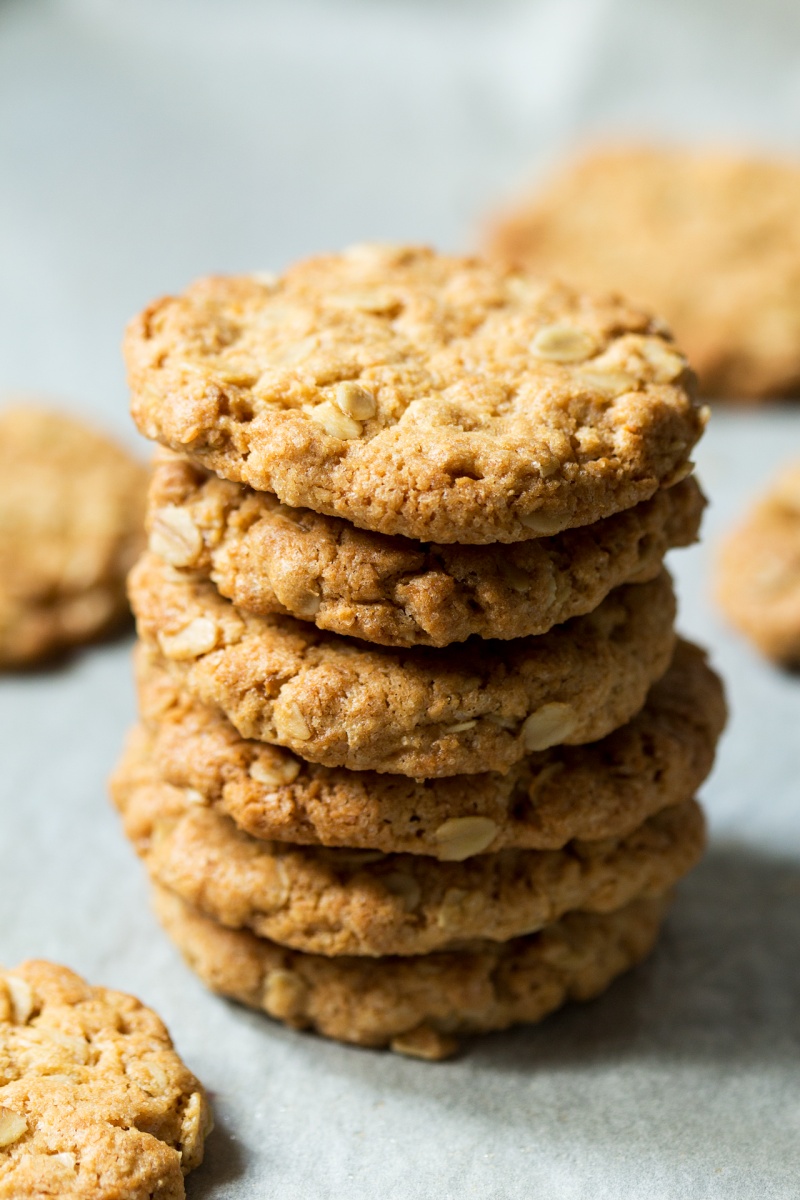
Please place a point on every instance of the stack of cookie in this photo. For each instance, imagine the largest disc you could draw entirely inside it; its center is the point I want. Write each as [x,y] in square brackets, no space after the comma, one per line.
[418,747]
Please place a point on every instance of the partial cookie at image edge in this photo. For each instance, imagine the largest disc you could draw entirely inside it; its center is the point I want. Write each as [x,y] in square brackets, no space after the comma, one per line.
[758,572]
[708,239]
[94,1100]
[71,526]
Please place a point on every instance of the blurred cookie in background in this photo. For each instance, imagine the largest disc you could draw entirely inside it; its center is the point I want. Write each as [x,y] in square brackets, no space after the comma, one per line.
[711,241]
[759,572]
[71,525]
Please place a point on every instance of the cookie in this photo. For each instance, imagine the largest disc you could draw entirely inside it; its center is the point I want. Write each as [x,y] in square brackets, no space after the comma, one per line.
[416,1005]
[710,241]
[603,790]
[356,902]
[480,706]
[71,526]
[94,1102]
[268,558]
[759,572]
[411,393]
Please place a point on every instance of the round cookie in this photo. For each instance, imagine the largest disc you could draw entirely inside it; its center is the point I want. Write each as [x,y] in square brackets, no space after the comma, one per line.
[71,526]
[603,790]
[416,1005]
[413,393]
[710,241]
[268,558]
[463,709]
[758,582]
[353,902]
[94,1101]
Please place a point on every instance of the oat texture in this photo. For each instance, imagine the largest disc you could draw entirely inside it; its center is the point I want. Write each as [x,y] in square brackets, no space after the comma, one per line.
[416,1005]
[412,393]
[94,1102]
[708,240]
[337,901]
[268,558]
[464,709]
[759,572]
[71,525]
[603,790]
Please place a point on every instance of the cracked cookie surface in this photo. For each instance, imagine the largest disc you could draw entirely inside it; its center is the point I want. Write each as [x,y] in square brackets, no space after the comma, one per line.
[463,709]
[94,1101]
[71,525]
[269,558]
[416,1005]
[596,791]
[709,240]
[758,580]
[412,393]
[338,901]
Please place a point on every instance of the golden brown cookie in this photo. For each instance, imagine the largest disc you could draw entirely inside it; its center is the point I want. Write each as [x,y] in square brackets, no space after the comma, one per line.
[268,558]
[464,709]
[413,393]
[416,1005]
[759,573]
[337,901]
[603,790]
[94,1102]
[71,525]
[710,241]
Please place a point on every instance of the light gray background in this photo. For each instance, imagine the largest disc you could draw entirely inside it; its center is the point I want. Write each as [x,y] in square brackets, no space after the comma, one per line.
[144,142]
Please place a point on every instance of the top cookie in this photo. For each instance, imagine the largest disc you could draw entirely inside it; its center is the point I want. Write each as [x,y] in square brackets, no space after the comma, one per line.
[710,241]
[94,1102]
[417,394]
[71,525]
[759,577]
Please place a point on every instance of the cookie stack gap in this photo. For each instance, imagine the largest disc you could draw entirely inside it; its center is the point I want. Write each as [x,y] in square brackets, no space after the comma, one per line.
[418,745]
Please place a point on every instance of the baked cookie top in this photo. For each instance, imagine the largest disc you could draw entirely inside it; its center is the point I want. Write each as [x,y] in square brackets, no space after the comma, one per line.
[418,394]
[710,241]
[415,1005]
[94,1101]
[71,525]
[603,790]
[338,901]
[758,581]
[464,709]
[269,558]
